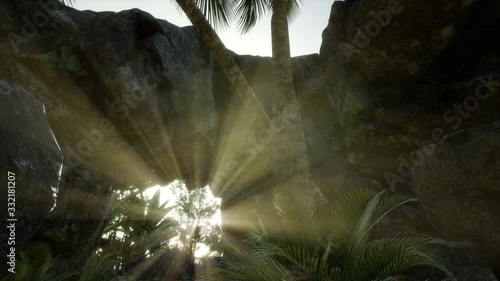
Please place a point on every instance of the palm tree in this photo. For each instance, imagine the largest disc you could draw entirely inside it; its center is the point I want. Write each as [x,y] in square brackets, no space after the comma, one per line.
[289,142]
[289,146]
[217,11]
[195,211]
[304,247]
[295,166]
[138,227]
[291,166]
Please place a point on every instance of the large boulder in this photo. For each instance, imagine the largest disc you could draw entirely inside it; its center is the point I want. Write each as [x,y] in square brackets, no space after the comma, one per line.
[464,261]
[125,92]
[458,186]
[395,69]
[400,37]
[75,225]
[30,168]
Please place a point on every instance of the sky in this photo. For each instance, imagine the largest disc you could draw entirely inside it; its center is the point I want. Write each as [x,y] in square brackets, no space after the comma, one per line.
[305,29]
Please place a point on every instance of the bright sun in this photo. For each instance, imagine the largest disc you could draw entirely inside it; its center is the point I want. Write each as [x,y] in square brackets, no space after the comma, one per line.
[167,194]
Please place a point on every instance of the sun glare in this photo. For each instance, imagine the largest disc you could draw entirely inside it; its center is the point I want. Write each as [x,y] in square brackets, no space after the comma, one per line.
[168,194]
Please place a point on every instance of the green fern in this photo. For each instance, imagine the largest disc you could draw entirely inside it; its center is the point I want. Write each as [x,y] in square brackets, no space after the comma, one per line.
[34,264]
[336,249]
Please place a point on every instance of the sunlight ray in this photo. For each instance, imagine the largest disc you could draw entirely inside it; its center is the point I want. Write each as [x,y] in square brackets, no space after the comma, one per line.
[238,154]
[172,166]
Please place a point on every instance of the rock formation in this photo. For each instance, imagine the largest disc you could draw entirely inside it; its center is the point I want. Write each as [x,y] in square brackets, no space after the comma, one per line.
[30,167]
[403,95]
[416,95]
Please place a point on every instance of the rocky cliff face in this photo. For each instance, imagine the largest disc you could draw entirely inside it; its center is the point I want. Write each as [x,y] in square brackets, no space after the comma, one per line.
[400,71]
[417,95]
[403,95]
[30,166]
[110,82]
[129,99]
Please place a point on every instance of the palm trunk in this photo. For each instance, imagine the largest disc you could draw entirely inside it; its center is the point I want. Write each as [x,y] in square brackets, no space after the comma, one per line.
[292,164]
[290,147]
[226,62]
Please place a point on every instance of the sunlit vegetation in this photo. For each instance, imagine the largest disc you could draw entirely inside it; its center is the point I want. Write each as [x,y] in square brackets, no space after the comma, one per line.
[147,238]
[336,245]
[139,227]
[199,232]
[153,237]
[308,243]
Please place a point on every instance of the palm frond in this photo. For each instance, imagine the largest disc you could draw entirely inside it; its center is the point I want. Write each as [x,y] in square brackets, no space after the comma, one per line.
[390,255]
[66,2]
[256,264]
[35,263]
[345,215]
[248,12]
[348,254]
[347,210]
[97,269]
[297,213]
[293,9]
[217,12]
[309,262]
[379,206]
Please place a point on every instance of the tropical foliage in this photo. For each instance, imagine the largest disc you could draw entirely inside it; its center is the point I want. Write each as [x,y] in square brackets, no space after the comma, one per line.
[143,230]
[338,247]
[195,211]
[138,227]
[98,268]
[36,263]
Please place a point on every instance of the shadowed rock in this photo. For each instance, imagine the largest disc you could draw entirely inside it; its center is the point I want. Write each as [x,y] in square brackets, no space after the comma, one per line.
[30,164]
[459,187]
